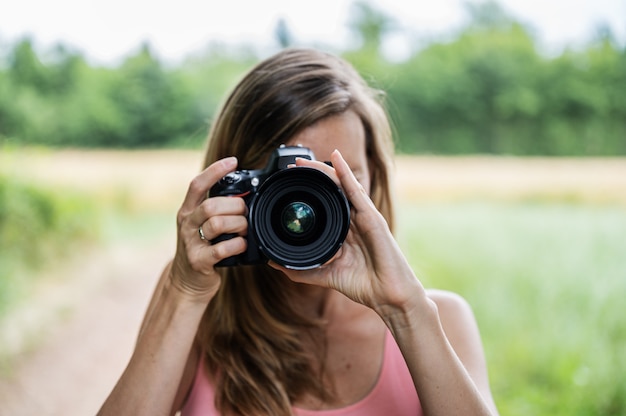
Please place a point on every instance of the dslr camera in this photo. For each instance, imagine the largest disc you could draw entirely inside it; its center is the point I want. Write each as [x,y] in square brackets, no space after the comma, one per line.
[297,216]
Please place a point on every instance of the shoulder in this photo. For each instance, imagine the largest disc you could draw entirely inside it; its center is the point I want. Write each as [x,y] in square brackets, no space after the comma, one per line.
[455,314]
[460,326]
[449,303]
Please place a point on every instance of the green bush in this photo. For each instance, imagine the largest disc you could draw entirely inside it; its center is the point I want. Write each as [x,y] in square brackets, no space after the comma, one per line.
[37,226]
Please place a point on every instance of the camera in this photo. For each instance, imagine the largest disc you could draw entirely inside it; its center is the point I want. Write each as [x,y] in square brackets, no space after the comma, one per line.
[297,216]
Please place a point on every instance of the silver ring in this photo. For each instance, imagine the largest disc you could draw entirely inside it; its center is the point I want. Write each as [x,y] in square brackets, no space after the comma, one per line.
[202,237]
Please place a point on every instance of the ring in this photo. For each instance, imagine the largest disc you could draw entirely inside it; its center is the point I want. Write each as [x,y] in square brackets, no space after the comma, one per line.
[202,237]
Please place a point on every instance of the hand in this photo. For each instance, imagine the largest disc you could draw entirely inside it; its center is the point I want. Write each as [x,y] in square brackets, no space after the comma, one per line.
[193,269]
[370,267]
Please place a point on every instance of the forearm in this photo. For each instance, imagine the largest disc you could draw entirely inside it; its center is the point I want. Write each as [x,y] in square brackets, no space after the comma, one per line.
[151,380]
[441,380]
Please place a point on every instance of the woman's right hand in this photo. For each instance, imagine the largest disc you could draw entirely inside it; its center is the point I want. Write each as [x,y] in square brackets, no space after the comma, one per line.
[193,269]
[165,347]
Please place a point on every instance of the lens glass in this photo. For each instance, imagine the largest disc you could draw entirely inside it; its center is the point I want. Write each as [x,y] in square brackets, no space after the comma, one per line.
[298,218]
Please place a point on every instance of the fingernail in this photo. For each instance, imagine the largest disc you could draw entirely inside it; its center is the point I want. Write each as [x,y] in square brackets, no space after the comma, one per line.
[337,153]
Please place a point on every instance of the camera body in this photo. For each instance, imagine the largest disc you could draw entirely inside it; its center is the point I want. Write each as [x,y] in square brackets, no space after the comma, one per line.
[297,216]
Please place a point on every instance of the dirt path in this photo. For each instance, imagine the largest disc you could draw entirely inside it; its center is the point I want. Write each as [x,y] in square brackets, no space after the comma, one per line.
[89,329]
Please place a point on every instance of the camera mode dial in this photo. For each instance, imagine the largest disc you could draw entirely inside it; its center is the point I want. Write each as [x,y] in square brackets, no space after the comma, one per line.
[230,178]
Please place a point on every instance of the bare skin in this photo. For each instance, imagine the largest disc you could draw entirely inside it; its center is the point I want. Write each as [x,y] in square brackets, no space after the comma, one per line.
[367,288]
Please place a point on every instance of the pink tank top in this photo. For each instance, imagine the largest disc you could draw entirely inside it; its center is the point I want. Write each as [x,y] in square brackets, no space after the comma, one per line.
[393,394]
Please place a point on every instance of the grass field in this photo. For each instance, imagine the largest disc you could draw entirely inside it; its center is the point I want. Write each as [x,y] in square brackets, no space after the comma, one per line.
[537,246]
[546,282]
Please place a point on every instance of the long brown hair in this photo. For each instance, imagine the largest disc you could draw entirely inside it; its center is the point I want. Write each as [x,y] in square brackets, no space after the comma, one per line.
[250,334]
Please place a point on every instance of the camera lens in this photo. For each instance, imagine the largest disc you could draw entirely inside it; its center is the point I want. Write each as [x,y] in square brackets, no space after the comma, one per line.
[299,218]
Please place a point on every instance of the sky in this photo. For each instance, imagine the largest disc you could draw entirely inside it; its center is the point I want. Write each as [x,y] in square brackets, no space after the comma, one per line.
[106,31]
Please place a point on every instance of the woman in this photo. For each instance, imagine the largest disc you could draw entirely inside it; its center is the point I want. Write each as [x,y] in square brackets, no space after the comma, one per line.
[356,336]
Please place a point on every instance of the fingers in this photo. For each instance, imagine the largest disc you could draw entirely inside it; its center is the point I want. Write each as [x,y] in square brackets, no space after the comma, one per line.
[215,207]
[204,249]
[343,177]
[341,174]
[214,253]
[205,180]
[328,170]
[196,255]
[216,216]
[215,226]
[353,189]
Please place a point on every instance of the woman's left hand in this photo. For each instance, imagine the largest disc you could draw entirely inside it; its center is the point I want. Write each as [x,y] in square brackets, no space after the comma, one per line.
[370,267]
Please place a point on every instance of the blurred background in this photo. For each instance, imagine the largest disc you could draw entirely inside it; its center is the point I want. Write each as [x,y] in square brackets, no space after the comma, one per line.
[510,122]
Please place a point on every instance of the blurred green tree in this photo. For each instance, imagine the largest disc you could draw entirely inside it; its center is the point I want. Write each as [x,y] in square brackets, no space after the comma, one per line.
[154,104]
[24,67]
[486,88]
[463,96]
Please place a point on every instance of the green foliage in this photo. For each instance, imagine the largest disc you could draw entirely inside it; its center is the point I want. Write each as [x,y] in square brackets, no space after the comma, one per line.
[154,106]
[210,76]
[491,91]
[546,283]
[486,89]
[37,226]
[468,93]
[140,104]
